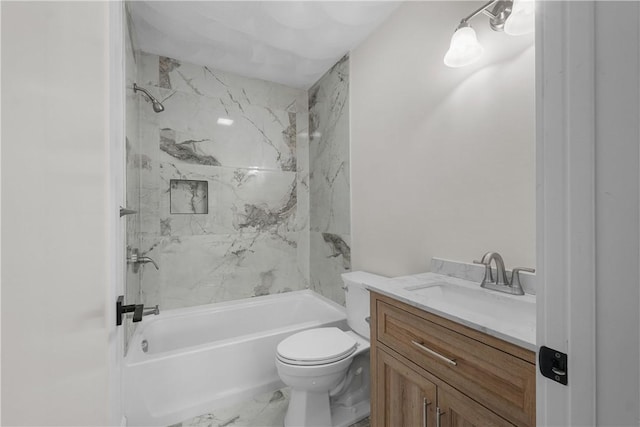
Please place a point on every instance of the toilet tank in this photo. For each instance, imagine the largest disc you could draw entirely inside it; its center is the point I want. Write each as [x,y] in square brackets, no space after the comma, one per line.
[357,299]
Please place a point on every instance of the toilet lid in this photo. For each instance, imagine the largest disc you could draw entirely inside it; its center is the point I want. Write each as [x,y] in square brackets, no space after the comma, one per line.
[316,346]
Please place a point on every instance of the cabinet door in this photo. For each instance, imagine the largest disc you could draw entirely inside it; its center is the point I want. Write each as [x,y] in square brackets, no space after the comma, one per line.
[403,397]
[457,410]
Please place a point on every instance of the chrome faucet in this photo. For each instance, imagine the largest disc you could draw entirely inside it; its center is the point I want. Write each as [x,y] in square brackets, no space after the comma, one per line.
[135,259]
[501,283]
[138,311]
[147,311]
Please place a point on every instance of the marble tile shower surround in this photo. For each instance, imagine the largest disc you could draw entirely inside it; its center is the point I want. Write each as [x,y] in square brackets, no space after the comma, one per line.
[329,186]
[261,174]
[475,273]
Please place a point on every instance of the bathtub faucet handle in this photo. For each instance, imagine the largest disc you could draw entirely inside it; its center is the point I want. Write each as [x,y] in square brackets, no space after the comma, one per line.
[133,257]
[122,309]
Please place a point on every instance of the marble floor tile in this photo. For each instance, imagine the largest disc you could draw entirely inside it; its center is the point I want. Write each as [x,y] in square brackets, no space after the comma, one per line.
[265,410]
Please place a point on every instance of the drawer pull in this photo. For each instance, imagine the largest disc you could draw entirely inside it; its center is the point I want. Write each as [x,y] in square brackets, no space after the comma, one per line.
[439,415]
[425,403]
[435,353]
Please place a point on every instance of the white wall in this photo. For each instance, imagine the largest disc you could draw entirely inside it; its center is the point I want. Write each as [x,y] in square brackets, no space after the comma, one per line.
[55,256]
[442,159]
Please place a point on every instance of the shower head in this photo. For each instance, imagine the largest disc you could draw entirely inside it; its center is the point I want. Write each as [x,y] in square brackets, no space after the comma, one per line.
[157,105]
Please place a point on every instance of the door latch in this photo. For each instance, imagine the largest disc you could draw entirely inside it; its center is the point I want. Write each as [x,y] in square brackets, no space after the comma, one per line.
[553,364]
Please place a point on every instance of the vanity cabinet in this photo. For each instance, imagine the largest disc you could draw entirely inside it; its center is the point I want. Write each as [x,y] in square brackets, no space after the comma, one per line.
[430,371]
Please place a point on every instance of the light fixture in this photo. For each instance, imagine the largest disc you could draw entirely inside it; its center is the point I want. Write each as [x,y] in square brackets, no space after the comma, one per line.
[521,20]
[224,121]
[464,48]
[515,17]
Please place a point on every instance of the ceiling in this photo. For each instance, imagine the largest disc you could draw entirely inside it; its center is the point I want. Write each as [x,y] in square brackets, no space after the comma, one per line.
[289,42]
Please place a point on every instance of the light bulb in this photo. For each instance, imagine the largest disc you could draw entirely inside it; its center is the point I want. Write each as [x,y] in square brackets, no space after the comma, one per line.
[464,48]
[522,18]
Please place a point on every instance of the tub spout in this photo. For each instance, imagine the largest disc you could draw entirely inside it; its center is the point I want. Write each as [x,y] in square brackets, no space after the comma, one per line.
[151,310]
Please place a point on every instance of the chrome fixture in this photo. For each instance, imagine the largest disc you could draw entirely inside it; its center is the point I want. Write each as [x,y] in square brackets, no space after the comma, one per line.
[501,283]
[125,211]
[157,105]
[138,311]
[147,311]
[514,17]
[133,257]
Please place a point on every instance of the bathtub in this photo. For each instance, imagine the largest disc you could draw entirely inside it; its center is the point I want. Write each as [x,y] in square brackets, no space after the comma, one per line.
[201,358]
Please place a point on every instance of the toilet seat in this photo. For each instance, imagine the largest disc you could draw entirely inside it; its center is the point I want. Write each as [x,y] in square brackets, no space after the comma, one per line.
[318,346]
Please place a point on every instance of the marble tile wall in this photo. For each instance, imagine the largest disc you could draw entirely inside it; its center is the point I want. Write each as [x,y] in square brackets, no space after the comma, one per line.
[254,238]
[329,188]
[132,174]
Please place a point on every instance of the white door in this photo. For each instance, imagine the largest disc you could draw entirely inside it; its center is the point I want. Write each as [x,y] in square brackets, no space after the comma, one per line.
[588,217]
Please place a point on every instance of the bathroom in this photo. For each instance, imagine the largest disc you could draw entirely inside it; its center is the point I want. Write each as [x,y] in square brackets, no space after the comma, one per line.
[244,185]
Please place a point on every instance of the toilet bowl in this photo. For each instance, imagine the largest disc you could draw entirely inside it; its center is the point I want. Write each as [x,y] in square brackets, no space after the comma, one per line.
[327,387]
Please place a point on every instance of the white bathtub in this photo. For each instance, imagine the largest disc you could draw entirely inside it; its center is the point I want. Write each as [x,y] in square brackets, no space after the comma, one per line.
[207,357]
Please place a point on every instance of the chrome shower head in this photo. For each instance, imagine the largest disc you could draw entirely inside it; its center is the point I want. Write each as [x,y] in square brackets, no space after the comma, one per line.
[157,105]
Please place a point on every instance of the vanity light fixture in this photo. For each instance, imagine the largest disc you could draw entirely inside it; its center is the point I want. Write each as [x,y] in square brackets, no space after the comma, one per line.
[522,20]
[224,121]
[464,49]
[515,17]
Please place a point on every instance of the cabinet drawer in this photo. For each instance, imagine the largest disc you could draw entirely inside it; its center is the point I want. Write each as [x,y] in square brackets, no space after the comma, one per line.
[495,379]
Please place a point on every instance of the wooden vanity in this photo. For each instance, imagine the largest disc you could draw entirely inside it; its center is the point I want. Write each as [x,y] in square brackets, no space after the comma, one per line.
[429,371]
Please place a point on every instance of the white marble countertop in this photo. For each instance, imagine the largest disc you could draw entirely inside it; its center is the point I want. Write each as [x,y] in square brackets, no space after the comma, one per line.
[511,318]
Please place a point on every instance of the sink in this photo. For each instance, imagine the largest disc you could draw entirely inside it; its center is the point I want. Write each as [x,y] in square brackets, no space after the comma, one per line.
[481,303]
[511,318]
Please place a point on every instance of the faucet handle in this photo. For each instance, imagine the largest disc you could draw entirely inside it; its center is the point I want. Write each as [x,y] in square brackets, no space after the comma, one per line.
[525,269]
[516,286]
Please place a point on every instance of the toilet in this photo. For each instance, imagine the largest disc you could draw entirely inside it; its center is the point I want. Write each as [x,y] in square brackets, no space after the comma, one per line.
[327,369]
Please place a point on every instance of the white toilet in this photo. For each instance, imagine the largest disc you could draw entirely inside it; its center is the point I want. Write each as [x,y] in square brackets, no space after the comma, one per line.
[327,368]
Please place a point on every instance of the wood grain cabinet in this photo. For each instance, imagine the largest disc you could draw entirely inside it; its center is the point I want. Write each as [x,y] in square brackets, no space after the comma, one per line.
[429,371]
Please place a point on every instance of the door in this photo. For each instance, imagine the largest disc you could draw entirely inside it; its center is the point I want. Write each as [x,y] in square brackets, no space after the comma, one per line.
[587,100]
[405,398]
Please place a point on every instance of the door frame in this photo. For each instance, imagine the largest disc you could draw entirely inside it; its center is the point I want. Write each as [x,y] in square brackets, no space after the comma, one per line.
[565,212]
[565,207]
[117,197]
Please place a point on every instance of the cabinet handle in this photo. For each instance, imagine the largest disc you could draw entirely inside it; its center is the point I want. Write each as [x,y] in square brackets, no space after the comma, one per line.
[439,415]
[435,353]
[425,403]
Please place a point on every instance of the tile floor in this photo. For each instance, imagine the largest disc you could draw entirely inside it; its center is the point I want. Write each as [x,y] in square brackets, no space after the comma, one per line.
[266,410]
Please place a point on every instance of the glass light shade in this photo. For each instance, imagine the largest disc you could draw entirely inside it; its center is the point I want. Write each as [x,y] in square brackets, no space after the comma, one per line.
[464,48]
[522,18]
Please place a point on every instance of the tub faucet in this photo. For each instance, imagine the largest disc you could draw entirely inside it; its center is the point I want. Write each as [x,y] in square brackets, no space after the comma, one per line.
[151,310]
[135,259]
[501,283]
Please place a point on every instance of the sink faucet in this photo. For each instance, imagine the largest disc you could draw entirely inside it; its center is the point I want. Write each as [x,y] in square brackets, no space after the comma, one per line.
[501,282]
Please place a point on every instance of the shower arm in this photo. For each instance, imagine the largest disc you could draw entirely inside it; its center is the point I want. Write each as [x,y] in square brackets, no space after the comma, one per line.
[143,90]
